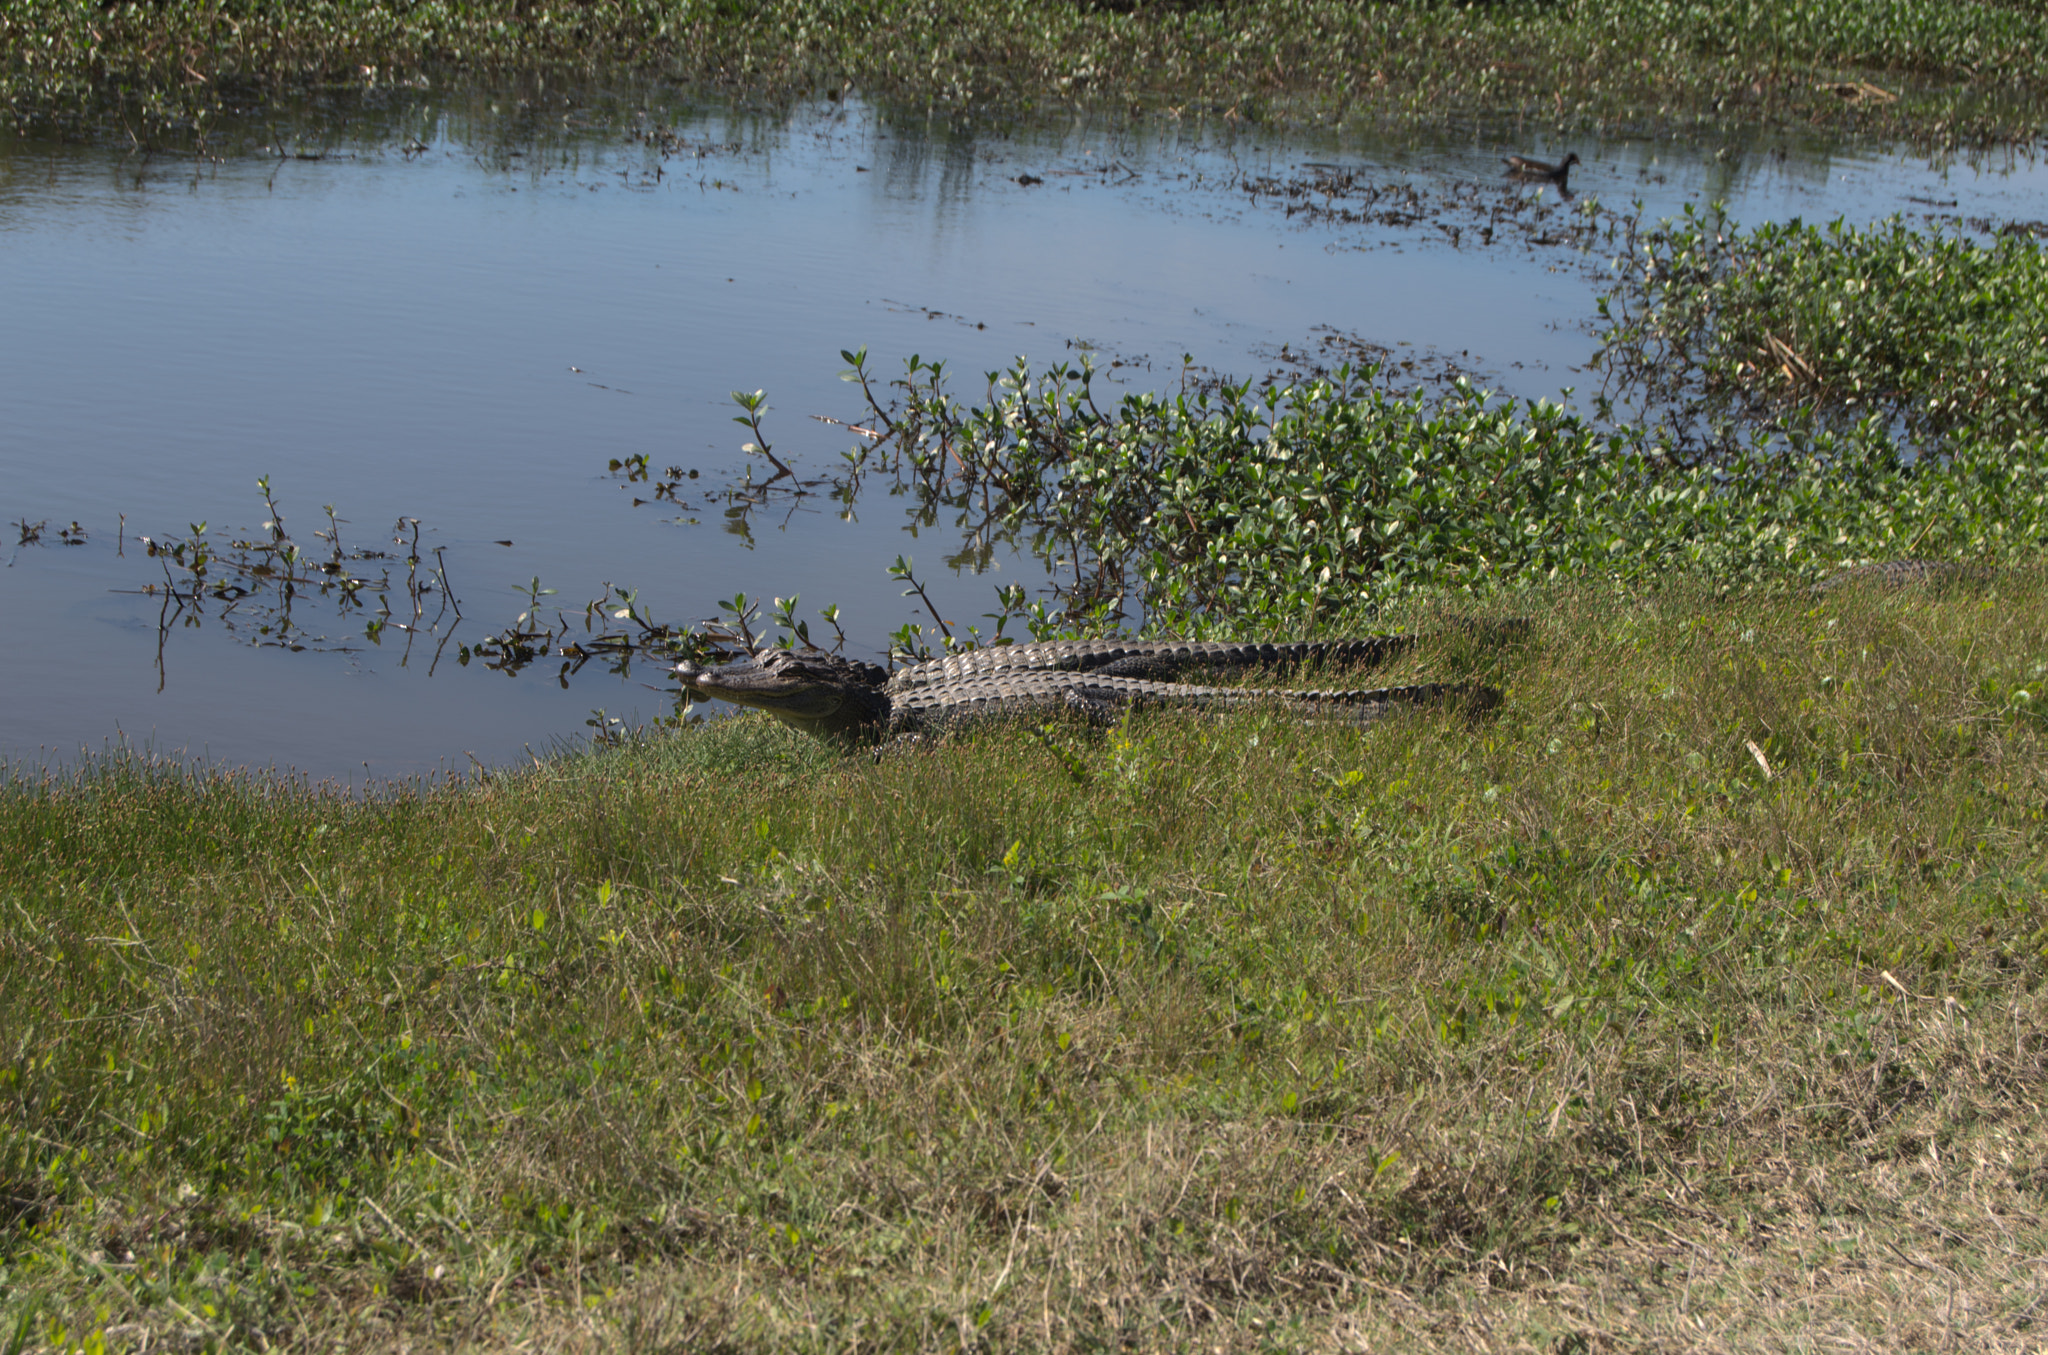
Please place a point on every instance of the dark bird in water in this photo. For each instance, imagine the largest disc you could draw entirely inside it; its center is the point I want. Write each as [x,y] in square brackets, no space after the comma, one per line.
[1535,171]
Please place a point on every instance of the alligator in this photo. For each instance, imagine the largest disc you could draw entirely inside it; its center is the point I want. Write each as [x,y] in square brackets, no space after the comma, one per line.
[836,697]
[1901,574]
[1158,660]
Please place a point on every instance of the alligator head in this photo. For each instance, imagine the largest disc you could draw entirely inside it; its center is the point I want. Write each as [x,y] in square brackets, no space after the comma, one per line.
[817,693]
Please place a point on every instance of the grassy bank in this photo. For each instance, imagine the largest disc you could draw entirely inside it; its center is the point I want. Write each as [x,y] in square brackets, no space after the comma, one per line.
[1942,73]
[1692,1000]
[1695,999]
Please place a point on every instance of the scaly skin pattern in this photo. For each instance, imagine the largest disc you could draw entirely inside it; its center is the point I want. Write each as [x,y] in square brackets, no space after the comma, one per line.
[834,697]
[1098,698]
[1154,659]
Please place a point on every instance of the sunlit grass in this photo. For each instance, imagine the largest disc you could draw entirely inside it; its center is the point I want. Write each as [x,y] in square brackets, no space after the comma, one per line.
[1700,984]
[1695,992]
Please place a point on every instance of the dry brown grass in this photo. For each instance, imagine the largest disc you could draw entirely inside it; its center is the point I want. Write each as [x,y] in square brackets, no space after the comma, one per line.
[1588,1027]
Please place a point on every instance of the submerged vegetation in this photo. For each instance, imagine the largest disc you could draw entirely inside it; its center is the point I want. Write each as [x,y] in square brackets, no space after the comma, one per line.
[1944,73]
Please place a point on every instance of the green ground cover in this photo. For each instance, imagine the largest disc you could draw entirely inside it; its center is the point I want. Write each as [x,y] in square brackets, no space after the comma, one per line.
[1692,1001]
[1942,72]
[1695,998]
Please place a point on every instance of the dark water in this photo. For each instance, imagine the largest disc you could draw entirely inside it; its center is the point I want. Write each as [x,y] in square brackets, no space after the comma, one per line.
[467,333]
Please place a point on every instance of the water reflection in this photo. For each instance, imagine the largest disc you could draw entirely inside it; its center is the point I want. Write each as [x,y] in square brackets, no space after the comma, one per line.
[463,309]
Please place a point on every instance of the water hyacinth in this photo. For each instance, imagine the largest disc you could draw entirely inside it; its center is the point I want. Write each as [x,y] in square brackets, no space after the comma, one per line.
[1272,507]
[1940,333]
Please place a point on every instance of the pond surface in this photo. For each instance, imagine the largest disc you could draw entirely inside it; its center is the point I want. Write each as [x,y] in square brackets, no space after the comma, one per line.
[465,327]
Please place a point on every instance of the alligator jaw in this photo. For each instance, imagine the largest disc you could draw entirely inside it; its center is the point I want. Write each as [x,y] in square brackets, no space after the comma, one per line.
[817,693]
[783,690]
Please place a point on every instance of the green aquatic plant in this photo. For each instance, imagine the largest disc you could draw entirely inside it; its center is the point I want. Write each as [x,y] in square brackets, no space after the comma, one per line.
[1276,509]
[1942,333]
[1944,72]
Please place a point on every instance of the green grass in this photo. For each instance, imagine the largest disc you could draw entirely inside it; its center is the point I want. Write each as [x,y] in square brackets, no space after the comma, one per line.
[1694,1000]
[1946,74]
[1572,1029]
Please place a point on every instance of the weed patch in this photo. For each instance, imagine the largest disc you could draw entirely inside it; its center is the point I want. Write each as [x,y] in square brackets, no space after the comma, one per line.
[1707,971]
[1946,74]
[1938,335]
